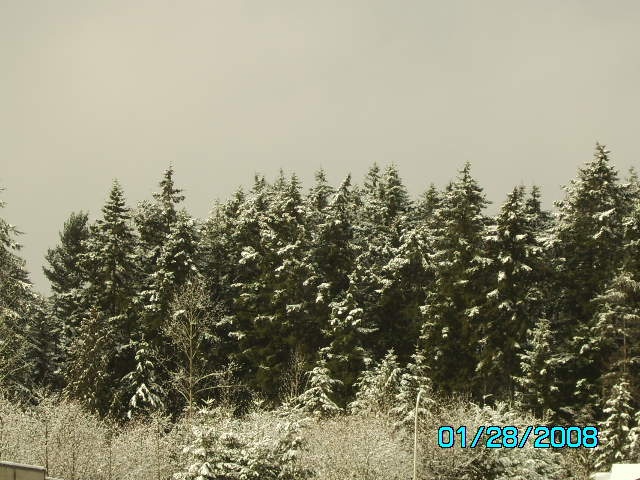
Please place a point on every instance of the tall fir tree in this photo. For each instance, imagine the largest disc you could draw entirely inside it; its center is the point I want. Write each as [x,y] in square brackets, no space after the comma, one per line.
[20,315]
[586,243]
[110,290]
[161,276]
[614,444]
[414,381]
[536,390]
[516,301]
[453,314]
[67,278]
[273,306]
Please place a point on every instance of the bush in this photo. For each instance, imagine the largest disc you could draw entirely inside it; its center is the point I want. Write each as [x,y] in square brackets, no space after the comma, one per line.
[74,444]
[482,463]
[258,446]
[363,447]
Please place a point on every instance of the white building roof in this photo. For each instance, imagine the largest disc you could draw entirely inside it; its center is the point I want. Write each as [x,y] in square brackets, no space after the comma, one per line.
[625,471]
[601,476]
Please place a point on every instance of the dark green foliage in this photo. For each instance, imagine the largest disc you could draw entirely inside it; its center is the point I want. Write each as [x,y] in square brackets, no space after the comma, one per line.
[586,246]
[516,301]
[67,276]
[453,310]
[523,304]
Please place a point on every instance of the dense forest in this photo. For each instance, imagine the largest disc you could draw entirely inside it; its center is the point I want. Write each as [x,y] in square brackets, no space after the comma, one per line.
[333,302]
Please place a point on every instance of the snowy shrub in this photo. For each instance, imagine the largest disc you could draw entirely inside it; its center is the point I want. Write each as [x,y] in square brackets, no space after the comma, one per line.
[316,399]
[258,446]
[378,387]
[482,463]
[413,380]
[363,447]
[75,445]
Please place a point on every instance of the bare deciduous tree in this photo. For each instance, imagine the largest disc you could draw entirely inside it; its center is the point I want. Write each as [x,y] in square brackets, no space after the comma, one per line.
[190,328]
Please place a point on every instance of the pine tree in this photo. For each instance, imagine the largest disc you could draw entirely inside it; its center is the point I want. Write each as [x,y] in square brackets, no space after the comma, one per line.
[517,299]
[316,399]
[452,311]
[148,394]
[587,245]
[346,333]
[614,445]
[414,379]
[536,390]
[17,304]
[383,219]
[331,252]
[378,387]
[174,263]
[15,288]
[272,315]
[110,291]
[88,371]
[166,250]
[67,278]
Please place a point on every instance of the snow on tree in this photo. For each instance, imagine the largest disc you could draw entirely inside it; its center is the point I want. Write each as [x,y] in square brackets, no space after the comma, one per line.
[380,222]
[148,394]
[586,243]
[316,399]
[536,385]
[191,330]
[259,446]
[378,387]
[452,310]
[331,253]
[517,298]
[67,278]
[271,315]
[614,445]
[89,368]
[110,289]
[413,380]
[346,355]
[20,313]
[404,282]
[174,263]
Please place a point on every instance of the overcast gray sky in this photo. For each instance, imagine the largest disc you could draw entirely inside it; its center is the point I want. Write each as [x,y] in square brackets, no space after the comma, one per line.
[94,90]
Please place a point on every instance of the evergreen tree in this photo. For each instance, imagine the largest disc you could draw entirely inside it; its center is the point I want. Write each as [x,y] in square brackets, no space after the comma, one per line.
[414,379]
[586,243]
[346,355]
[110,290]
[316,399]
[154,219]
[378,387]
[331,252]
[536,389]
[452,311]
[404,282]
[614,445]
[273,304]
[517,299]
[148,394]
[166,250]
[67,278]
[383,218]
[15,288]
[219,248]
[88,371]
[175,262]
[17,304]
[427,204]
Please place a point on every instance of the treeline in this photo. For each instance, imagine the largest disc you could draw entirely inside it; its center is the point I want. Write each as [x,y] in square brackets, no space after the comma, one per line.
[154,310]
